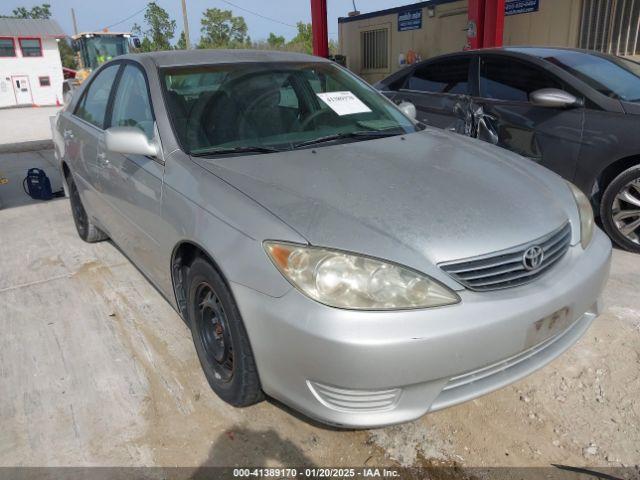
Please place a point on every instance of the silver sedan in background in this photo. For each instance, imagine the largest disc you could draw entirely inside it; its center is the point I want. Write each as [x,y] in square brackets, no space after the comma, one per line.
[323,247]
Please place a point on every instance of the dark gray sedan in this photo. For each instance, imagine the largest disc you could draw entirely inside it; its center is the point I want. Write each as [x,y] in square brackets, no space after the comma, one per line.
[573,111]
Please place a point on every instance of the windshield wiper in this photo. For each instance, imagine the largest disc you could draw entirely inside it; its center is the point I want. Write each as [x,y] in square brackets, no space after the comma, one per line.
[231,150]
[340,136]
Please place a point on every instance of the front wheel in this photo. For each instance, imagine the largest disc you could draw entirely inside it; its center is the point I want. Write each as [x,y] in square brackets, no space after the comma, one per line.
[620,209]
[86,229]
[220,338]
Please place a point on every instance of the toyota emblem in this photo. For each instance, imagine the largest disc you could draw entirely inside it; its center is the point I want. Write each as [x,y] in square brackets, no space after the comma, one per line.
[532,258]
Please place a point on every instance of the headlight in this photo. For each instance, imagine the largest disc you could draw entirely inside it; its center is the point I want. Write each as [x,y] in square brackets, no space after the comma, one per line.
[587,222]
[347,280]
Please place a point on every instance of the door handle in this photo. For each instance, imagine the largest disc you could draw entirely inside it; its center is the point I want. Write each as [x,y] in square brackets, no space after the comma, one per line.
[68,134]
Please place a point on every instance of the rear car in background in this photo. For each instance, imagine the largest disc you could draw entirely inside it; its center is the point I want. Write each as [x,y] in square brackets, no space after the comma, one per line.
[575,112]
[277,202]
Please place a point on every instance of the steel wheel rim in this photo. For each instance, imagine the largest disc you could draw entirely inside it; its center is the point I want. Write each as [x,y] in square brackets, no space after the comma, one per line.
[625,211]
[214,333]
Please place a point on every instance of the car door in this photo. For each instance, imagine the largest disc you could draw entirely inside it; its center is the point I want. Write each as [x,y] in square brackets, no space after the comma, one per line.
[83,134]
[440,90]
[132,184]
[504,115]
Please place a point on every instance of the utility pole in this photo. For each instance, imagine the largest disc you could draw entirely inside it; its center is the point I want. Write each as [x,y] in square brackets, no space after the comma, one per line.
[186,23]
[75,24]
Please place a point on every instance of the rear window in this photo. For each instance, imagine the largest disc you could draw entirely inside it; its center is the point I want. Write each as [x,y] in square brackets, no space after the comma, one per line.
[445,76]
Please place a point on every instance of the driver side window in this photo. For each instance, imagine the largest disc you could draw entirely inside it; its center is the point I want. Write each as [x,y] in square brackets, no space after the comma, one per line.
[505,79]
[131,105]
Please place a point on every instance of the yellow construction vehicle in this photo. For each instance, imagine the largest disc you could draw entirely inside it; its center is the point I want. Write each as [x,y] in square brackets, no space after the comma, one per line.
[94,48]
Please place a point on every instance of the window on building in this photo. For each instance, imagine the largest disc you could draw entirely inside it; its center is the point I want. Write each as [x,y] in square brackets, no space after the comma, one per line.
[7,47]
[444,76]
[31,47]
[131,105]
[375,49]
[504,79]
[93,104]
[44,81]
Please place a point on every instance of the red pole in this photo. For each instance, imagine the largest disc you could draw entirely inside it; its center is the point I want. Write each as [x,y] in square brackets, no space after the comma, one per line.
[493,23]
[319,28]
[475,27]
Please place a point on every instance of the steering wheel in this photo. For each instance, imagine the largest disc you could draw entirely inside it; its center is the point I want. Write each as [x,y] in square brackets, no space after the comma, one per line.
[312,117]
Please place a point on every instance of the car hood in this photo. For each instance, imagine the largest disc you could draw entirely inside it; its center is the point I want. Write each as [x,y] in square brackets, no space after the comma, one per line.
[419,199]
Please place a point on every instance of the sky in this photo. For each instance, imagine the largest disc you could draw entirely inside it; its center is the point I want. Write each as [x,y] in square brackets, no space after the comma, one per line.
[96,14]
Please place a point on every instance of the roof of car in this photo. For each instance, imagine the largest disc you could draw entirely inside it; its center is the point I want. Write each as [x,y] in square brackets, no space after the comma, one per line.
[179,58]
[541,51]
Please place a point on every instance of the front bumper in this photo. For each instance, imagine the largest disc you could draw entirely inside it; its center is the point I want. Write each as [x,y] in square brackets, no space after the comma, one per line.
[369,369]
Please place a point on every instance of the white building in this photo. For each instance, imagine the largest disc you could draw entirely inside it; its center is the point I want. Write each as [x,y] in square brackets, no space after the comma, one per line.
[30,66]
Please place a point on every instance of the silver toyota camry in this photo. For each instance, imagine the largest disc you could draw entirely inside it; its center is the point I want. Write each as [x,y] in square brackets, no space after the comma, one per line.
[324,248]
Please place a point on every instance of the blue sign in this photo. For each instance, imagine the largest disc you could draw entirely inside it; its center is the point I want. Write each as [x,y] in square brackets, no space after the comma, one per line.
[409,20]
[516,7]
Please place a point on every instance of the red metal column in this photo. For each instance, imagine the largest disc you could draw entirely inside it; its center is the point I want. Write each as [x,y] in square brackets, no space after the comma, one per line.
[493,23]
[475,27]
[319,28]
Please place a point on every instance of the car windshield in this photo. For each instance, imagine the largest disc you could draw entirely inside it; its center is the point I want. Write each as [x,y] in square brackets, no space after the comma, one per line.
[614,77]
[268,107]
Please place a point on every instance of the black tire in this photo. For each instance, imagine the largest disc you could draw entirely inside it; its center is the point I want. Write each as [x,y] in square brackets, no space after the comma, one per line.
[86,229]
[616,212]
[220,338]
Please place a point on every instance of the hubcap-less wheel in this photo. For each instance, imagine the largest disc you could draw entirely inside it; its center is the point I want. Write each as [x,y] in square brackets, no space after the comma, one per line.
[214,331]
[625,211]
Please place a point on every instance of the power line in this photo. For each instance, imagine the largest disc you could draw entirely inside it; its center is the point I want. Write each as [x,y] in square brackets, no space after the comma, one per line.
[259,14]
[262,16]
[128,18]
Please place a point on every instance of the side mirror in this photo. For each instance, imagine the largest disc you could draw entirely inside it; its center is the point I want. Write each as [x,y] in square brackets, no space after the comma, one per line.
[553,98]
[136,42]
[129,141]
[409,109]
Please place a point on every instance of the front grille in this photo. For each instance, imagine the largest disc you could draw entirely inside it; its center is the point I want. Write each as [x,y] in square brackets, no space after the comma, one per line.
[506,269]
[345,400]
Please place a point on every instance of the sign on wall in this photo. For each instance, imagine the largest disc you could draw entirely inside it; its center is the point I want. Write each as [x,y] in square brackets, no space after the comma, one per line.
[516,7]
[409,20]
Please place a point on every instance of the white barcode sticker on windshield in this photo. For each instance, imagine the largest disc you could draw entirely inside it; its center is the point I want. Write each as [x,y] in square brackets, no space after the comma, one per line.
[343,103]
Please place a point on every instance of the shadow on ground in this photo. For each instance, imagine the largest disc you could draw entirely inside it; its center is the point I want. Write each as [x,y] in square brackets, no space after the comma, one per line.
[243,447]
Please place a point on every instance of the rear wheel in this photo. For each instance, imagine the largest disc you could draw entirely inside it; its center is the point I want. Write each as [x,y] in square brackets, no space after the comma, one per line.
[86,229]
[620,210]
[220,338]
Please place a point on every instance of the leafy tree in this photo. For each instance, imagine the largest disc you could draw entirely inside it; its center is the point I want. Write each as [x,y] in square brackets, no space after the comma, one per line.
[160,32]
[276,41]
[67,55]
[41,12]
[303,41]
[182,42]
[221,29]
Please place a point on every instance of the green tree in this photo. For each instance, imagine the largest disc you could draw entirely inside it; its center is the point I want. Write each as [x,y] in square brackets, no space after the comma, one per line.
[276,41]
[41,12]
[303,41]
[221,29]
[182,42]
[67,55]
[160,32]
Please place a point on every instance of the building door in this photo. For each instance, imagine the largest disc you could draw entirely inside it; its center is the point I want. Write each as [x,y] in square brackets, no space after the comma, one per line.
[22,90]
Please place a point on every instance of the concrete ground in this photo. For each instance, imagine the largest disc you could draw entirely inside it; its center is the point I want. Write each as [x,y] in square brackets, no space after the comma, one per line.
[97,369]
[22,125]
